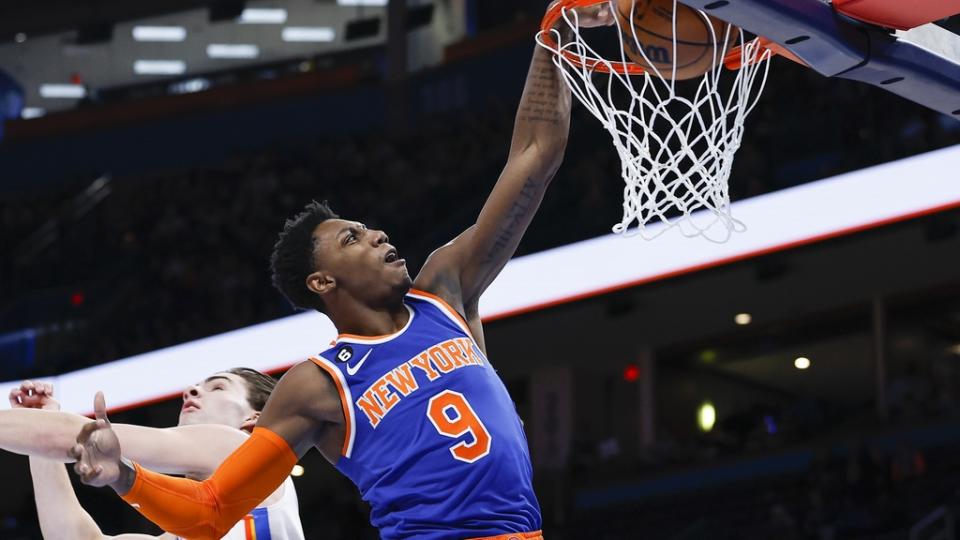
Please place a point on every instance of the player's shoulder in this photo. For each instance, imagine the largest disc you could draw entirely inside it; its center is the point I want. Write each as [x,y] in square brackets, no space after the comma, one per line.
[308,375]
[308,384]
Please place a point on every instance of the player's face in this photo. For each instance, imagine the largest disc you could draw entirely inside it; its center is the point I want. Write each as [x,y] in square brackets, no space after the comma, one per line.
[360,260]
[220,399]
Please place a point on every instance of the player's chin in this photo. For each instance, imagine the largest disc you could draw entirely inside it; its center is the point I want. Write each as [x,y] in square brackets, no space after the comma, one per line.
[189,418]
[398,271]
[400,279]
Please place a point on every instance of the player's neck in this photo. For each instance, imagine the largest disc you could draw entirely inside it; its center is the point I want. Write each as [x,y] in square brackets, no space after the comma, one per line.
[363,320]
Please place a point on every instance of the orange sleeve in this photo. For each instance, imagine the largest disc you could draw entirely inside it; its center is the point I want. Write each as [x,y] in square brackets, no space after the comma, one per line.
[208,509]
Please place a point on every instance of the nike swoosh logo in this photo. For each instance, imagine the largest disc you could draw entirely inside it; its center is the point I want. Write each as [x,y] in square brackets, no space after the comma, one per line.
[352,370]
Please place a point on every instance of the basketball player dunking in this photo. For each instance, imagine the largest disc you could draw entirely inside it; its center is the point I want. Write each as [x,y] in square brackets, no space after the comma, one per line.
[405,402]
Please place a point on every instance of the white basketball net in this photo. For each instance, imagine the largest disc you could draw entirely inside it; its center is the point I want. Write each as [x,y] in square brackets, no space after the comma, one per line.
[676,151]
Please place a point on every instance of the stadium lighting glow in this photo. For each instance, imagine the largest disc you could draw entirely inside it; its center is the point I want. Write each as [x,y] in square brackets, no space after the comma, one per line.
[777,221]
[801,363]
[224,50]
[955,349]
[32,112]
[159,33]
[20,37]
[263,16]
[314,34]
[742,319]
[159,67]
[62,91]
[706,416]
[189,86]
[297,471]
[362,2]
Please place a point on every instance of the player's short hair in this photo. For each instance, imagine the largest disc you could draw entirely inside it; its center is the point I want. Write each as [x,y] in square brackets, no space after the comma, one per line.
[259,386]
[293,256]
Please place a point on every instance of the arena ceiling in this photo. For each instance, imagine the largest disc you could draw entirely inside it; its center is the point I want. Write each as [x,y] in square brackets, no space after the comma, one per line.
[93,44]
[44,17]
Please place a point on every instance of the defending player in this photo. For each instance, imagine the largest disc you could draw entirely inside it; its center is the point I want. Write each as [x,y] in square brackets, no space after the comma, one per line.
[405,403]
[215,417]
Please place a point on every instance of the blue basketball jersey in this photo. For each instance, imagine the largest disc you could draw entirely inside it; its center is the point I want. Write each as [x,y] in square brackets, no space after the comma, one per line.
[433,439]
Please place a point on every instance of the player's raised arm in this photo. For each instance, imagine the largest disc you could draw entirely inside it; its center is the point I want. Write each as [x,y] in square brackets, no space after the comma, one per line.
[540,131]
[303,403]
[59,512]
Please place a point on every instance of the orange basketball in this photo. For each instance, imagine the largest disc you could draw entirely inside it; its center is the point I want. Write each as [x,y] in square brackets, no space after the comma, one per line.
[652,28]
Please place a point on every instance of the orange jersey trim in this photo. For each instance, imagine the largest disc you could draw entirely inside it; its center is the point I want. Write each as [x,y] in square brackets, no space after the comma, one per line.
[376,339]
[345,402]
[249,527]
[445,307]
[535,535]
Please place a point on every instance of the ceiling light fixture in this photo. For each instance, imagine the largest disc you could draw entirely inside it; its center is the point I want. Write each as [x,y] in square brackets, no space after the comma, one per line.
[159,33]
[62,91]
[226,50]
[159,67]
[362,2]
[263,16]
[32,112]
[316,34]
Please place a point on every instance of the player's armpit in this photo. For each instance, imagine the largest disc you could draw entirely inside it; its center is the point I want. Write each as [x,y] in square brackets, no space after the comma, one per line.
[208,509]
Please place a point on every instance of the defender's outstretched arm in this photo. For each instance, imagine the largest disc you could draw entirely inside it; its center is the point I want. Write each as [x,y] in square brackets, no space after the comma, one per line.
[51,434]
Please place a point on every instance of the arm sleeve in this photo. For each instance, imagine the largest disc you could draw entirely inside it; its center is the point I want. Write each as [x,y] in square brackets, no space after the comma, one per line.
[208,509]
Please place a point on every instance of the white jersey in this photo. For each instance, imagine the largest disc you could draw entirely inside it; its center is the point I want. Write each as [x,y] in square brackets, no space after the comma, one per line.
[279,521]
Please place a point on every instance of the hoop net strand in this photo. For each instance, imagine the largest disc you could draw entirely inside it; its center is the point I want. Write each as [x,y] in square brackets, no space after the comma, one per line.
[676,149]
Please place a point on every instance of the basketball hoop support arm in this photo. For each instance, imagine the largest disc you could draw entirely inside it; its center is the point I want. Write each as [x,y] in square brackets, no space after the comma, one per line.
[837,46]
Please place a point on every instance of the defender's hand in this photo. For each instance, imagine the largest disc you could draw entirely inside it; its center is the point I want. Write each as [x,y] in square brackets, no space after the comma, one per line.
[33,395]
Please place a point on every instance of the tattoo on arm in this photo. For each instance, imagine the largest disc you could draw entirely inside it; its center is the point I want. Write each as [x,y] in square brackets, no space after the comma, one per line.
[514,223]
[541,101]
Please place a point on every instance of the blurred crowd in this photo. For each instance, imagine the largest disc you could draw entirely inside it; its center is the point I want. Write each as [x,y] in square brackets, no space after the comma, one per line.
[859,489]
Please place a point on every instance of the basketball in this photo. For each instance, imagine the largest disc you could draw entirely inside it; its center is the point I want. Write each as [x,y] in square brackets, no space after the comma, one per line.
[652,29]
